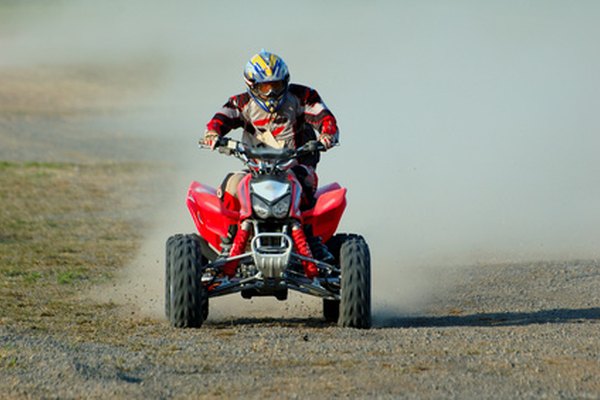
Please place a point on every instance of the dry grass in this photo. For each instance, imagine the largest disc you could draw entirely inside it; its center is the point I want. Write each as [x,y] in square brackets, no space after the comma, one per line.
[66,227]
[62,231]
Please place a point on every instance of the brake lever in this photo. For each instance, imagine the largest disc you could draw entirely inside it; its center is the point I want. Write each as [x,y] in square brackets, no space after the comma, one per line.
[224,150]
[230,146]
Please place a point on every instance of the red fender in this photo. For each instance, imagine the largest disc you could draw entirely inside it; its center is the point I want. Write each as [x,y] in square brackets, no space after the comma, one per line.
[327,213]
[211,217]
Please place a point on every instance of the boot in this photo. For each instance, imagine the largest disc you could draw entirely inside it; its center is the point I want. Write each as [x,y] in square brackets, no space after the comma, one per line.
[227,241]
[238,247]
[317,247]
[320,251]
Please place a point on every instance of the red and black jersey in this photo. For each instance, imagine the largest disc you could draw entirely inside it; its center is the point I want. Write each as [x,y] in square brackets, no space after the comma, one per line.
[291,125]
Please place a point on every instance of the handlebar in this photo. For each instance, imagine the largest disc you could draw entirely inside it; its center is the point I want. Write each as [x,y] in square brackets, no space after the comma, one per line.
[234,147]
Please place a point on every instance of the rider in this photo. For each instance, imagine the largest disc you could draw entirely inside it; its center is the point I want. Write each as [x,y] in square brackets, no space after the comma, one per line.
[274,113]
[277,114]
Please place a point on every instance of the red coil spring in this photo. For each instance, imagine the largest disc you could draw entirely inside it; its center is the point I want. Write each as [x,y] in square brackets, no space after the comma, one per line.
[239,245]
[310,269]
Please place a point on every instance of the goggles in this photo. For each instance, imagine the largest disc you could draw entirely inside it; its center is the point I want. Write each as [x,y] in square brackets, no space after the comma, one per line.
[269,88]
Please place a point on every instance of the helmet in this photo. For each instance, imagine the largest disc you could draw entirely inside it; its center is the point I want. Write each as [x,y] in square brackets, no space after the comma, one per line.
[267,78]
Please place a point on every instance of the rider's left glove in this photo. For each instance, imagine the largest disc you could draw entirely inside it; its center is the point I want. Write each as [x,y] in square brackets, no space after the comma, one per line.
[210,139]
[328,140]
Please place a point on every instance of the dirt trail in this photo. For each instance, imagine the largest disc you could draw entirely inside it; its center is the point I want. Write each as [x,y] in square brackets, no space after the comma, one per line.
[494,336]
[515,330]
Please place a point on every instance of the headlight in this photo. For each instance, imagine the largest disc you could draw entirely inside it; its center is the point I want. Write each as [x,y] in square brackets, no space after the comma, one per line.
[282,207]
[271,198]
[261,209]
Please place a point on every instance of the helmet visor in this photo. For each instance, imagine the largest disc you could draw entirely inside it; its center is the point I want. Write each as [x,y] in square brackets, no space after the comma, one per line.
[270,89]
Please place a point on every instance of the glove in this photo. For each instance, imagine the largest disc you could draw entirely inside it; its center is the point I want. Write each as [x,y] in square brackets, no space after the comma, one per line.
[328,140]
[210,139]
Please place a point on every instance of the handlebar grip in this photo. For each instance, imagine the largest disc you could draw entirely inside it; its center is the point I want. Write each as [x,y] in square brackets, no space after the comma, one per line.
[312,146]
[222,141]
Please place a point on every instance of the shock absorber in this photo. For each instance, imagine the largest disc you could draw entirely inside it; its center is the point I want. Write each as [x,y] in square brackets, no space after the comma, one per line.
[310,268]
[239,245]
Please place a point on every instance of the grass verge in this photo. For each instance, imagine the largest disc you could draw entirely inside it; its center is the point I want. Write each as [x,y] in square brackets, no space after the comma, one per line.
[64,228]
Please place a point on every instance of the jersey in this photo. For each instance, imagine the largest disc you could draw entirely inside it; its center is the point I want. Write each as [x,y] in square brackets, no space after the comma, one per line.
[293,124]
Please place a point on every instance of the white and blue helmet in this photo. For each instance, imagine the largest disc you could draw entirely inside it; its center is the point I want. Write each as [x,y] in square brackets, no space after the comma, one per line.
[267,77]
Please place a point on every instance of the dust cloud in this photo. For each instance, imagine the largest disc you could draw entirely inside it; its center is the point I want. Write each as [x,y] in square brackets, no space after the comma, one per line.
[469,130]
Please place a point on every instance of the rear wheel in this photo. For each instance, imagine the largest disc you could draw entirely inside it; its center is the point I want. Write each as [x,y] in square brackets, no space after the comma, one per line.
[187,298]
[355,267]
[331,310]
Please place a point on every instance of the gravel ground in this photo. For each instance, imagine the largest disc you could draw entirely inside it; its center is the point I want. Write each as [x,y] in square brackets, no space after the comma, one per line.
[501,331]
[527,330]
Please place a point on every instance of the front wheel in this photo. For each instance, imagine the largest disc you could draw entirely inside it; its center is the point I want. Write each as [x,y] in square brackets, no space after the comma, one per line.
[187,297]
[355,267]
[169,251]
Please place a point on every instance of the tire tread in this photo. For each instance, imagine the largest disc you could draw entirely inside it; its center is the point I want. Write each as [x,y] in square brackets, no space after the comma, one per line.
[355,264]
[189,300]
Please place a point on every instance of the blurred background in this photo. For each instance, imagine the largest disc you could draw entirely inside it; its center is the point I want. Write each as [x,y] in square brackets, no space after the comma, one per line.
[469,130]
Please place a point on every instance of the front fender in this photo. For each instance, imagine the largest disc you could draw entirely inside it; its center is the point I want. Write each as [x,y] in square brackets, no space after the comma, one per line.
[327,213]
[210,216]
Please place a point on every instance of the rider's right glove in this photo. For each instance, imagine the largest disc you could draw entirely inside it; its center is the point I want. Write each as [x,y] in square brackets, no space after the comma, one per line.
[327,140]
[210,139]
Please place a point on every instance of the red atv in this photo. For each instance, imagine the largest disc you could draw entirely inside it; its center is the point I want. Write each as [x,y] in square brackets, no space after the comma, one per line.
[264,248]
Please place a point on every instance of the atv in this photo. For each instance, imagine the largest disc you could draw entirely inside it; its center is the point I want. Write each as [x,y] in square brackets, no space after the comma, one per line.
[268,244]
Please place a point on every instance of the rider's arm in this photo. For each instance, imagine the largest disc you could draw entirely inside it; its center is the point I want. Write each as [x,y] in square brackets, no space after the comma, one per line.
[229,116]
[317,114]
